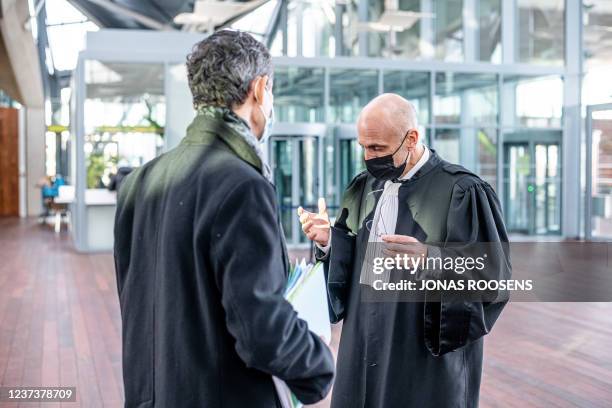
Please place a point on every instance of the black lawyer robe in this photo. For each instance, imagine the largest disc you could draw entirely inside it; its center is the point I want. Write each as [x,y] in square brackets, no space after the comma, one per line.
[201,270]
[407,354]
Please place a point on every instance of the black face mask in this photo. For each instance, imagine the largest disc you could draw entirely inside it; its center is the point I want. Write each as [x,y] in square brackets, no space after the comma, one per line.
[383,168]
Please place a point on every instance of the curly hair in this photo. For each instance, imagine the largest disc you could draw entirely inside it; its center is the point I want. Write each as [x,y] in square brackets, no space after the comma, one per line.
[221,68]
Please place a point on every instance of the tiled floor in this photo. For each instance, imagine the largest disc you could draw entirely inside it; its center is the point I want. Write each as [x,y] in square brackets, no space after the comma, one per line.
[59,325]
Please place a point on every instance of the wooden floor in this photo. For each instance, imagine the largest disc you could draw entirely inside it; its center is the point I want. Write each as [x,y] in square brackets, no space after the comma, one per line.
[59,326]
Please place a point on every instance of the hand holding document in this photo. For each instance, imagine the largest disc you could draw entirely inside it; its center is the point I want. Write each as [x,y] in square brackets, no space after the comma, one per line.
[306,291]
[316,225]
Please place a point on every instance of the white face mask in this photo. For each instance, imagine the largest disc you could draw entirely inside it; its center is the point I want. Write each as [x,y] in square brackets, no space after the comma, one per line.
[268,123]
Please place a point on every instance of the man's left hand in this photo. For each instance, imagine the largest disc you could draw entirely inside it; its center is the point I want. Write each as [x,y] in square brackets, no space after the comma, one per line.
[403,244]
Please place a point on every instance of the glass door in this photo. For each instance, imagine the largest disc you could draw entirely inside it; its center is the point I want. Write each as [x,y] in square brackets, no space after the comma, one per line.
[294,161]
[517,187]
[308,185]
[351,161]
[532,184]
[598,203]
[281,164]
[547,189]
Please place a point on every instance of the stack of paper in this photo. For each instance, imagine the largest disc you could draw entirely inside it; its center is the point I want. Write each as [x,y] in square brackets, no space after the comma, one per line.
[307,292]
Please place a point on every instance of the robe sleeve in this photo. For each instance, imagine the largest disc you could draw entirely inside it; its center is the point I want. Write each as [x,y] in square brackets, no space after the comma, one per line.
[474,217]
[249,271]
[339,260]
[337,266]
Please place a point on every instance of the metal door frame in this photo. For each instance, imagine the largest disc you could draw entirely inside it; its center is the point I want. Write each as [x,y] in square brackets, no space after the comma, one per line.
[588,204]
[294,132]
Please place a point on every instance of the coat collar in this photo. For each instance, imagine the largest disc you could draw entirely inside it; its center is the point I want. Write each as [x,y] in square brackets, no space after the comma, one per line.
[429,165]
[206,129]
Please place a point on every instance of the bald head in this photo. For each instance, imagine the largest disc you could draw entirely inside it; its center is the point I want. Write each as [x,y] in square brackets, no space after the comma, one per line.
[387,113]
[383,123]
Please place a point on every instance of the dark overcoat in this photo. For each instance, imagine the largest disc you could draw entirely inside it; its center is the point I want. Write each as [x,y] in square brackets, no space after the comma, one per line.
[201,270]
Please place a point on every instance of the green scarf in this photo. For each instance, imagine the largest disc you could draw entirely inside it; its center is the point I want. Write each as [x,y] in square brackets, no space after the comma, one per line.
[241,127]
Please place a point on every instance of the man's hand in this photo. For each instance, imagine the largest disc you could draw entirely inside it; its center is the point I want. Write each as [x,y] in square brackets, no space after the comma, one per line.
[316,226]
[403,244]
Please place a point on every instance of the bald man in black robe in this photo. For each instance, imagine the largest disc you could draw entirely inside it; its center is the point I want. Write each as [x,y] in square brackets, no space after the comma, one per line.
[397,354]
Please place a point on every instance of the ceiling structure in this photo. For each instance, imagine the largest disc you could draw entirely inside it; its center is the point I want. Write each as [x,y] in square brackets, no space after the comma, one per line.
[149,14]
[186,15]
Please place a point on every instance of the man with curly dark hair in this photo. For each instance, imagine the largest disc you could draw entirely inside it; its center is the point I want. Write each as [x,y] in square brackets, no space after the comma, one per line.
[200,256]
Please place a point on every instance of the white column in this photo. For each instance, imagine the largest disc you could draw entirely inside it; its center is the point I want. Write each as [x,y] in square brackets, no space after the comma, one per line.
[23,185]
[572,121]
[508,100]
[179,105]
[35,157]
[362,14]
[468,143]
[426,44]
[509,22]
[470,30]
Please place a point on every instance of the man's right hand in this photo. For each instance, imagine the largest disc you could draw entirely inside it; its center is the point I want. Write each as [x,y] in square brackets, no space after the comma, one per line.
[316,226]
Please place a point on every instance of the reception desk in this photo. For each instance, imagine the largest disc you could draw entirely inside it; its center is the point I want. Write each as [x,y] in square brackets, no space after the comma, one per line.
[96,233]
[100,205]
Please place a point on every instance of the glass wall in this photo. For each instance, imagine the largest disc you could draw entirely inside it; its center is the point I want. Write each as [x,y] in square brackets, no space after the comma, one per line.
[532,101]
[597,89]
[299,94]
[436,32]
[504,127]
[449,30]
[486,154]
[124,117]
[597,43]
[310,28]
[474,148]
[467,99]
[489,30]
[57,137]
[466,110]
[350,90]
[541,31]
[413,86]
[409,42]
[597,34]
[447,144]
[444,30]
[599,190]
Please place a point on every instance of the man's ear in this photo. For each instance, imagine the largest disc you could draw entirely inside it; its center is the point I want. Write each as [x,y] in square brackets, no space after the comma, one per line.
[413,137]
[259,88]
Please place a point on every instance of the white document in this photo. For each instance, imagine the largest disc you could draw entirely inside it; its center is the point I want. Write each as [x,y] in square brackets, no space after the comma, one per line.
[309,299]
